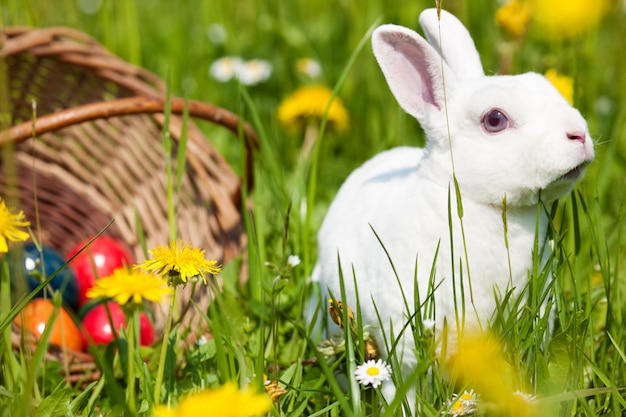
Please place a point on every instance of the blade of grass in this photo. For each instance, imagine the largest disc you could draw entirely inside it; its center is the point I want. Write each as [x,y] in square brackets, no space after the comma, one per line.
[335,389]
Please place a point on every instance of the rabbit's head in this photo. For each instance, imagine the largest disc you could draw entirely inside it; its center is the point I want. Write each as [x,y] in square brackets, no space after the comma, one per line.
[512,136]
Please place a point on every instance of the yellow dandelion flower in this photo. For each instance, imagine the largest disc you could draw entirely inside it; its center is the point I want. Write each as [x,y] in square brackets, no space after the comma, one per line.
[524,405]
[567,19]
[9,227]
[563,83]
[163,411]
[513,17]
[129,286]
[479,363]
[311,102]
[226,401]
[179,261]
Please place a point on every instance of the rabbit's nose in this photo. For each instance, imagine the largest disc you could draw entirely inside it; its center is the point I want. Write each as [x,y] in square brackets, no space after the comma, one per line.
[579,136]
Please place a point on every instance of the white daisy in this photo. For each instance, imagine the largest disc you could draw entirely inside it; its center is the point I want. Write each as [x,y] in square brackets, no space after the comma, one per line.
[461,405]
[254,71]
[309,67]
[526,396]
[373,373]
[225,69]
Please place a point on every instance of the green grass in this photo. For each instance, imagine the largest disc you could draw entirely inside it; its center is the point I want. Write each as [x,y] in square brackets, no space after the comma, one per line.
[258,328]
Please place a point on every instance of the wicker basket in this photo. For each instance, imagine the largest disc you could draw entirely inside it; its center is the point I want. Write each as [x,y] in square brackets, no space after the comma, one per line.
[98,152]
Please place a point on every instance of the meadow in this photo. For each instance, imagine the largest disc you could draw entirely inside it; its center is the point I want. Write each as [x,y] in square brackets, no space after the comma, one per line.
[261,339]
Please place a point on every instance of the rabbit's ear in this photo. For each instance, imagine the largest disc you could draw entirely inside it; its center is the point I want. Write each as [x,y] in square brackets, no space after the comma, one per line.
[413,70]
[453,42]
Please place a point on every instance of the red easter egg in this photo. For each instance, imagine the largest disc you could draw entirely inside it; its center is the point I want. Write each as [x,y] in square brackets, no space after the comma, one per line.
[100,259]
[36,316]
[97,324]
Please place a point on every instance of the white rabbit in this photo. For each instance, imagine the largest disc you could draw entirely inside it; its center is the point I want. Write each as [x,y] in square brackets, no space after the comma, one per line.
[507,136]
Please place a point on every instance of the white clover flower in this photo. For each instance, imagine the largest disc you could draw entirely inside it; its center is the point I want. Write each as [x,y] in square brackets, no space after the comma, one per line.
[225,69]
[309,67]
[373,373]
[293,261]
[461,405]
[254,71]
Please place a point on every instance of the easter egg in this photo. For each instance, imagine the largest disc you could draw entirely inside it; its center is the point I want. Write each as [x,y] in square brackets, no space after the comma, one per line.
[100,259]
[35,317]
[97,324]
[37,265]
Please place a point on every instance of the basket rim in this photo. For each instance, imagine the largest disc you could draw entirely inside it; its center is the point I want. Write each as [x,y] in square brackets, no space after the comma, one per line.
[75,47]
[138,105]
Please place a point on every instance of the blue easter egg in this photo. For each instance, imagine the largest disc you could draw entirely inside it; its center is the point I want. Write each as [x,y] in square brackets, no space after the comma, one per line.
[37,266]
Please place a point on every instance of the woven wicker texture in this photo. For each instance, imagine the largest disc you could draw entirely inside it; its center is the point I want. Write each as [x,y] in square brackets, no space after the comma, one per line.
[98,153]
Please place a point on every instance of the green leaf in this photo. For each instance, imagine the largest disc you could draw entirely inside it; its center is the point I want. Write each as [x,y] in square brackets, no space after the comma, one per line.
[82,399]
[204,352]
[56,404]
[459,201]
[560,363]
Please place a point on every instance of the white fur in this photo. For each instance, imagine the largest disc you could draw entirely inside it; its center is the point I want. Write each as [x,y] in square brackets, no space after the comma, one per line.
[403,194]
[458,47]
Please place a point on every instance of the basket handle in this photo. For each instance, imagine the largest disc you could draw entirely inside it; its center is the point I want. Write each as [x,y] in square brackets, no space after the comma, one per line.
[138,105]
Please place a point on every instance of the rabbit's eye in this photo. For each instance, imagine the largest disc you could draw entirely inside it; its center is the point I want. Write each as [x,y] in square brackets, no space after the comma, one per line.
[494,121]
